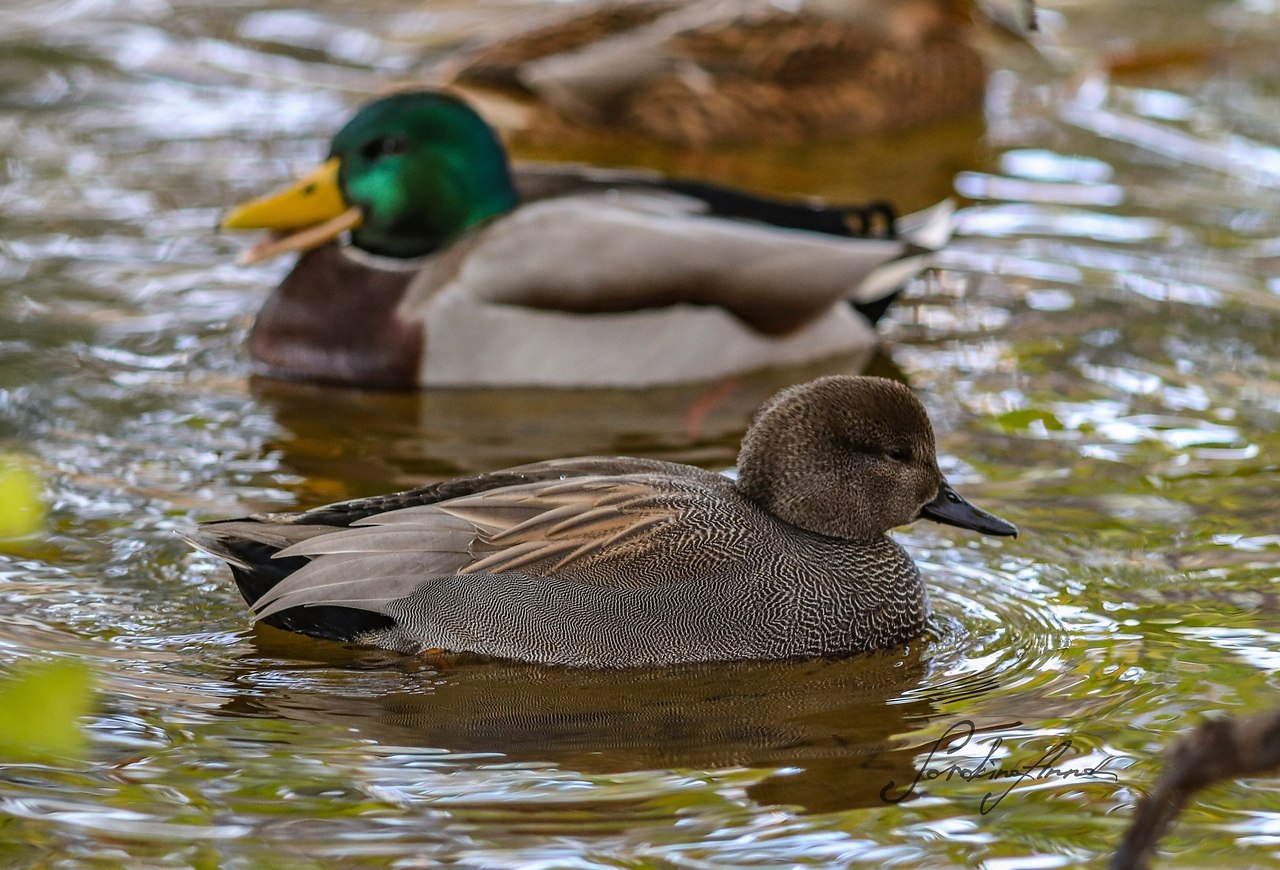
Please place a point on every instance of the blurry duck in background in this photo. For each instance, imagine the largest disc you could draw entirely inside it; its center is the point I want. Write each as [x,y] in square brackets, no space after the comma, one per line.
[713,72]
[460,272]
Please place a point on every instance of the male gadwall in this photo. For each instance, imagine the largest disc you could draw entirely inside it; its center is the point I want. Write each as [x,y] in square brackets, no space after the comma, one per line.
[619,562]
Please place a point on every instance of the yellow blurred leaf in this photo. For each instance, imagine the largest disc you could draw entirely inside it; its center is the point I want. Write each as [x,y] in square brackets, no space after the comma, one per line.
[41,706]
[22,508]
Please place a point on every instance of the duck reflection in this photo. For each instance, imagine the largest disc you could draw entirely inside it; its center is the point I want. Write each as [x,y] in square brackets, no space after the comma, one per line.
[829,725]
[346,442]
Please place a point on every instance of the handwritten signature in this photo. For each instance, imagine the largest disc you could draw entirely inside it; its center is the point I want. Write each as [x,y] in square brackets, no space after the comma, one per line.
[1043,767]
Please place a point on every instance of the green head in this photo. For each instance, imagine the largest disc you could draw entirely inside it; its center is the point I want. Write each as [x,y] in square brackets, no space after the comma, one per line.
[423,168]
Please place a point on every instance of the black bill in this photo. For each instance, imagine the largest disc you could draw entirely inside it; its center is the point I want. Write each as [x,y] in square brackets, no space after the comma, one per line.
[951,509]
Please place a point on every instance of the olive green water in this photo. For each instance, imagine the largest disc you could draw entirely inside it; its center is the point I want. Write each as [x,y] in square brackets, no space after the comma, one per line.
[1101,356]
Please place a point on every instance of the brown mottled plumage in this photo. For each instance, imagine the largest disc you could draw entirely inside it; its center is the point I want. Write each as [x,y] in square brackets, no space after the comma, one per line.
[618,562]
[722,71]
[497,63]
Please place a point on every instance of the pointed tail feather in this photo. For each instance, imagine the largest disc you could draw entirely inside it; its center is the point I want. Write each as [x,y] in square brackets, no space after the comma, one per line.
[924,232]
[931,228]
[249,548]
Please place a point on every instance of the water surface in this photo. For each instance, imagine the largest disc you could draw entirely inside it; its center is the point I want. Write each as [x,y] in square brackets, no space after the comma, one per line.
[1099,354]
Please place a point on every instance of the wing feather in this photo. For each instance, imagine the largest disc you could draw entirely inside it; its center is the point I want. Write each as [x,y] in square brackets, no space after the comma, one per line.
[523,555]
[377,539]
[552,529]
[366,593]
[775,280]
[226,539]
[546,523]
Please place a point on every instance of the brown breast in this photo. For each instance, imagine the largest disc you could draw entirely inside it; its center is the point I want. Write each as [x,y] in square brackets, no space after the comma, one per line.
[333,319]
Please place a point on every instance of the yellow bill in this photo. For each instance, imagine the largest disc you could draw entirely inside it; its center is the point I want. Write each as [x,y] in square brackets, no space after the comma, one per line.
[304,215]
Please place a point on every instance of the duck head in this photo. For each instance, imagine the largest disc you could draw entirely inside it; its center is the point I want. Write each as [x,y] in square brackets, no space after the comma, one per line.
[851,457]
[407,175]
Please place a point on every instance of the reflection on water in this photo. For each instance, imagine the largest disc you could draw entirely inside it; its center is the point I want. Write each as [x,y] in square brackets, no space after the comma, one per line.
[1098,353]
[344,439]
[818,720]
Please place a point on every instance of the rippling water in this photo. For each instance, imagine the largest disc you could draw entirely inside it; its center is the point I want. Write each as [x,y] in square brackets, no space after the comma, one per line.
[1099,355]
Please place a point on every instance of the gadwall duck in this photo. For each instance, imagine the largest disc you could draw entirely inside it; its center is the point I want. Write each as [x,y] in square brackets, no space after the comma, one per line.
[619,562]
[461,273]
[712,72]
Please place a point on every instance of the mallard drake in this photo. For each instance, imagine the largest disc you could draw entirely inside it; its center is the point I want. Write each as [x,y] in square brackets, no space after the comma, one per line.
[619,562]
[720,71]
[460,272]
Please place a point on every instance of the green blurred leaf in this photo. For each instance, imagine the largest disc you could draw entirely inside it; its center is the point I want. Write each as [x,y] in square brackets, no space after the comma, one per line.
[1015,421]
[42,706]
[22,508]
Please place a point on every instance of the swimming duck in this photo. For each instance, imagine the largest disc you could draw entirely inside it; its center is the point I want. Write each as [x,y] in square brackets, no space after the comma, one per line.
[621,562]
[460,272]
[729,71]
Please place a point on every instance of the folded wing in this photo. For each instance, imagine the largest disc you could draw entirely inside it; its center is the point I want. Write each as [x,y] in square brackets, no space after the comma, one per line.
[650,249]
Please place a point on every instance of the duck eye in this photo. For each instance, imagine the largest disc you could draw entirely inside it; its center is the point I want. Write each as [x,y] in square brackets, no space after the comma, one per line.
[383,146]
[899,454]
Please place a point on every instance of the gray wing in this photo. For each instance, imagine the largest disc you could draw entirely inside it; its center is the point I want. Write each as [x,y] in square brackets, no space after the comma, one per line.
[345,513]
[606,531]
[252,542]
[652,249]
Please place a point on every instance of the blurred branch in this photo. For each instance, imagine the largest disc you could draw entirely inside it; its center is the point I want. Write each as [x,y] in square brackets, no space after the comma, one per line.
[1219,749]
